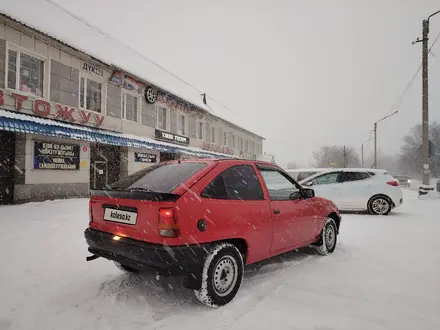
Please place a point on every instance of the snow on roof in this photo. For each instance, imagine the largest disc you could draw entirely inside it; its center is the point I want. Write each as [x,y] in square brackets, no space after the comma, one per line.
[61,25]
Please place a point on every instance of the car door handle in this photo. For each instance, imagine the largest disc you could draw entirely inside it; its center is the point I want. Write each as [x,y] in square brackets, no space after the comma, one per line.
[276,211]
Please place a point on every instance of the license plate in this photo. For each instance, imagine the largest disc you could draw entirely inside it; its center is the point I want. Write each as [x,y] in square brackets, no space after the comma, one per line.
[121,216]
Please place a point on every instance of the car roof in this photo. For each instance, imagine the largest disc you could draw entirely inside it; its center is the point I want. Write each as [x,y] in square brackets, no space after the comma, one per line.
[306,170]
[214,160]
[344,169]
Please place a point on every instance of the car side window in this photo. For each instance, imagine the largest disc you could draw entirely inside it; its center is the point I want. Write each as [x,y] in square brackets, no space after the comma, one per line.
[237,183]
[304,175]
[353,176]
[278,185]
[326,179]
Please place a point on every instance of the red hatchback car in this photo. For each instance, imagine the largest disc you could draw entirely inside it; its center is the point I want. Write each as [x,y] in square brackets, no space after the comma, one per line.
[205,220]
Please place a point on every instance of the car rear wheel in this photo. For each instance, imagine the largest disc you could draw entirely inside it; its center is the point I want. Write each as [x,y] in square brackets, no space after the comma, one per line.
[126,268]
[379,205]
[222,276]
[328,238]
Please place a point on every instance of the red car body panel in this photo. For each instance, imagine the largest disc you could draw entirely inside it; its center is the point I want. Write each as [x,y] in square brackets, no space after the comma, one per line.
[298,222]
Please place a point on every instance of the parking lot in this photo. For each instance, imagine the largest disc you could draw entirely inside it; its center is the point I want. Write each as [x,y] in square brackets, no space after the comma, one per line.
[384,274]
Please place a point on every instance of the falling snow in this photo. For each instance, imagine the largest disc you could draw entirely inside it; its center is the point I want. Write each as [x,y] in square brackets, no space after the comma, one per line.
[384,274]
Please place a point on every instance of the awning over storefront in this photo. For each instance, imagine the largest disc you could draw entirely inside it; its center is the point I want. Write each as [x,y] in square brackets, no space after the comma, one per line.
[22,123]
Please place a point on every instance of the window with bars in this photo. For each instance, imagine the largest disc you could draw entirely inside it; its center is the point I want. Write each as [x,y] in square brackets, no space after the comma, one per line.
[90,95]
[25,73]
[130,107]
[162,118]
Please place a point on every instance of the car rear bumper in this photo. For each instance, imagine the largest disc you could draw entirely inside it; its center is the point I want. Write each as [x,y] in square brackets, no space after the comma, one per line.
[166,260]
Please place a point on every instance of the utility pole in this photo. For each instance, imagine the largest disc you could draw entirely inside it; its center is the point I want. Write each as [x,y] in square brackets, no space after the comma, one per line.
[362,155]
[375,136]
[425,99]
[375,144]
[345,158]
[425,112]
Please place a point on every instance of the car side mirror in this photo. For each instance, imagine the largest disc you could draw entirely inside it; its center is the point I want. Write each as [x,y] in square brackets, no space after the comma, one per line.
[296,195]
[308,193]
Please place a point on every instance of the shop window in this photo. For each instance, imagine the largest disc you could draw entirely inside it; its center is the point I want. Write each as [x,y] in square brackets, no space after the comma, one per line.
[90,95]
[213,135]
[130,107]
[162,118]
[25,73]
[200,130]
[181,124]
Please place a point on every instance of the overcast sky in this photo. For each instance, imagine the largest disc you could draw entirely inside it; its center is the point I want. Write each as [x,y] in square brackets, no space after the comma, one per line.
[302,73]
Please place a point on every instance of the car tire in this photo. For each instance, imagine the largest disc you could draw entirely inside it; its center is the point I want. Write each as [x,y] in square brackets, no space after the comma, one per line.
[126,268]
[221,276]
[379,205]
[328,238]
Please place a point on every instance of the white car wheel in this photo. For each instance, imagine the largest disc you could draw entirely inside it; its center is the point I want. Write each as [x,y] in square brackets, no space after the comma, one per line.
[379,205]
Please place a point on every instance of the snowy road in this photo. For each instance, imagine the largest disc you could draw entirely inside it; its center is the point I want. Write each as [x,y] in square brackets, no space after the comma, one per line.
[385,274]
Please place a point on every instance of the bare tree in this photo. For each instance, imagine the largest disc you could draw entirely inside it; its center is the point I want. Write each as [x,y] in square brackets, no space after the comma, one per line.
[388,162]
[336,156]
[411,151]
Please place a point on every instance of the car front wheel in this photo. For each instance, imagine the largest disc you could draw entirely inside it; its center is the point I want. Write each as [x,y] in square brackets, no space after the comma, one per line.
[328,238]
[222,275]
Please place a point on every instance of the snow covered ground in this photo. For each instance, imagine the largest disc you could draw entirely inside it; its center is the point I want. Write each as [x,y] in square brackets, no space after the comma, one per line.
[384,274]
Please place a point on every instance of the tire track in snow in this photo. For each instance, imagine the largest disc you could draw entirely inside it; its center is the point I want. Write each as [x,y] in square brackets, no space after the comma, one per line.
[276,279]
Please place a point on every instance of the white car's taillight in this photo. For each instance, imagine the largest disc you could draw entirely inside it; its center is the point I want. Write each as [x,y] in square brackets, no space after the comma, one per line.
[393,183]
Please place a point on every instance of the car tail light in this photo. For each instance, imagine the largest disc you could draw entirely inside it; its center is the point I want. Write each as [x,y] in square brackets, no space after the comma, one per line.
[393,183]
[90,213]
[167,223]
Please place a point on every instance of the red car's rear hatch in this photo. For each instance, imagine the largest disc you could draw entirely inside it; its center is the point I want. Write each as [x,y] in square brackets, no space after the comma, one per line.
[141,206]
[133,214]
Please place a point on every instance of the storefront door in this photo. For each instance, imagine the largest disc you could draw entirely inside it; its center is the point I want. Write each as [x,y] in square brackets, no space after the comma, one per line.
[101,175]
[7,162]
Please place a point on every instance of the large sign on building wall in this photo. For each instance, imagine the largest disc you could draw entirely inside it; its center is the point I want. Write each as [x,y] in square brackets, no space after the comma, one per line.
[170,137]
[248,155]
[56,156]
[209,146]
[43,108]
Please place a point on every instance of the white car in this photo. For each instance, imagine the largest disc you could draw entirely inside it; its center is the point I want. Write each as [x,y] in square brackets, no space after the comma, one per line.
[300,174]
[357,189]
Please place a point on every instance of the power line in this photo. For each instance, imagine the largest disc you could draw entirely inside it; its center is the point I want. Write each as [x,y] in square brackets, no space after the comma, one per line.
[400,100]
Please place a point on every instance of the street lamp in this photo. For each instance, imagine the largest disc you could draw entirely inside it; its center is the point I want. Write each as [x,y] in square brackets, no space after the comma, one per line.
[425,113]
[375,135]
[362,151]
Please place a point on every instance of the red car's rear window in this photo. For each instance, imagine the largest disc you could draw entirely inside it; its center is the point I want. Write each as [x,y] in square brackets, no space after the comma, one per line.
[163,178]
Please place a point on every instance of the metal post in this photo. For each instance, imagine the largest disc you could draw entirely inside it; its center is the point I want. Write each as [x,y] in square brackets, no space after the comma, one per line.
[362,155]
[375,145]
[425,113]
[345,158]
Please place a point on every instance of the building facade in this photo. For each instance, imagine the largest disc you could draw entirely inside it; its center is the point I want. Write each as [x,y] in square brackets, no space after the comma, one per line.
[70,123]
